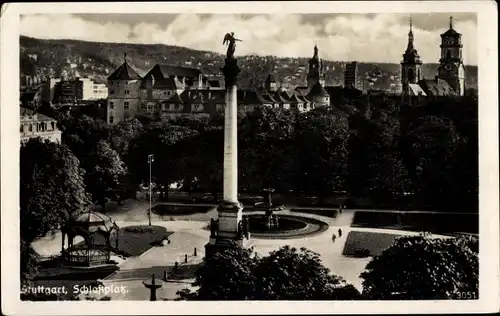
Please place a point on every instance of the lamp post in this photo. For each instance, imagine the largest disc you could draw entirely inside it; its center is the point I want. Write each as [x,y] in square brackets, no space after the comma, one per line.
[150,161]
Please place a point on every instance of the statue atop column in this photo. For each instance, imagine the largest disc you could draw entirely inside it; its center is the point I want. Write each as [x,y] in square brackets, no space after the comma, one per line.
[231,44]
[230,69]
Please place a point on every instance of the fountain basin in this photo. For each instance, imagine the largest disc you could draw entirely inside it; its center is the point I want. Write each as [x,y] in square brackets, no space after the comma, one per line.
[290,226]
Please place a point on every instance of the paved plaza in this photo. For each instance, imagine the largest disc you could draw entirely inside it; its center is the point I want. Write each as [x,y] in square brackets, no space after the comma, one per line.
[189,232]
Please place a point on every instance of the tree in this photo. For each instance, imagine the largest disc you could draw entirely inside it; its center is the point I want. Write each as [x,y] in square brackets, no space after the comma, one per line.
[321,147]
[422,267]
[163,140]
[429,146]
[29,262]
[375,165]
[123,133]
[105,170]
[228,275]
[297,274]
[265,144]
[82,134]
[204,160]
[286,274]
[51,187]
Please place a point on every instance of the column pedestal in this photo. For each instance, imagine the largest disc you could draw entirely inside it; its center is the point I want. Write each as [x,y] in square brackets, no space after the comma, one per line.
[229,229]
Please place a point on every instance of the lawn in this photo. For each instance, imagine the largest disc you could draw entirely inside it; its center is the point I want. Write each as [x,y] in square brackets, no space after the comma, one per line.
[176,210]
[377,220]
[374,242]
[135,240]
[437,223]
[320,212]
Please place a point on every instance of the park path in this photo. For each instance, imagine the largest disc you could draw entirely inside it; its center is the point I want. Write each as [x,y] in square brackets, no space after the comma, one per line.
[189,233]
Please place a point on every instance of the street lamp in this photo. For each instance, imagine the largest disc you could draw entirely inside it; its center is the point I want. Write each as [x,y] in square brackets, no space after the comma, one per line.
[150,161]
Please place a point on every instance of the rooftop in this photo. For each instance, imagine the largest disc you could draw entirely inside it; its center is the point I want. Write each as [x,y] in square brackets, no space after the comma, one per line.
[124,72]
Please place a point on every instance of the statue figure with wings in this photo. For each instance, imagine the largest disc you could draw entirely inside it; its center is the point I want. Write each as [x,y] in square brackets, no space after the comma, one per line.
[231,40]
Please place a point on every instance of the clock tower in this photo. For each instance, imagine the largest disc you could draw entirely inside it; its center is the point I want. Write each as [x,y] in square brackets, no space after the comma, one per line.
[411,66]
[451,66]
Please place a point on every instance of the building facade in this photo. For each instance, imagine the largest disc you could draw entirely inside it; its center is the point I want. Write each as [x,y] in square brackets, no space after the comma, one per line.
[33,125]
[123,100]
[71,92]
[351,76]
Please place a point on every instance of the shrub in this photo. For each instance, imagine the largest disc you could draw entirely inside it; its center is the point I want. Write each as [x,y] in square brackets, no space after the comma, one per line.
[139,229]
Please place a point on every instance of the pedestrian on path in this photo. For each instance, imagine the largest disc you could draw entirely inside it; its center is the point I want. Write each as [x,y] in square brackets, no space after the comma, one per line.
[340,232]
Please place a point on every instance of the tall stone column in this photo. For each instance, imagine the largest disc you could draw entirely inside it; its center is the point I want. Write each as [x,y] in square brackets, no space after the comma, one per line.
[228,226]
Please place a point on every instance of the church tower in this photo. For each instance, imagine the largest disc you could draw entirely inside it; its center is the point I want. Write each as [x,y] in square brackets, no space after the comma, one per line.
[315,72]
[451,66]
[411,66]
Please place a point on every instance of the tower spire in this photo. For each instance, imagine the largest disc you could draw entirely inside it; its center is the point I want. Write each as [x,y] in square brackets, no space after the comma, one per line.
[410,36]
[451,22]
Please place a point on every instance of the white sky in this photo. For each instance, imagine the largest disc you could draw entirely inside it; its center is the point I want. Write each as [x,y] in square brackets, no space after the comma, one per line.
[340,37]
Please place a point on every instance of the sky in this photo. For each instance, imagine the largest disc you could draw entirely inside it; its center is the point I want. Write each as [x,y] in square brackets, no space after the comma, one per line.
[340,37]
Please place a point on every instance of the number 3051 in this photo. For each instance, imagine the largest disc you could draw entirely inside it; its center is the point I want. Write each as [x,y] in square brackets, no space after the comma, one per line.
[466,295]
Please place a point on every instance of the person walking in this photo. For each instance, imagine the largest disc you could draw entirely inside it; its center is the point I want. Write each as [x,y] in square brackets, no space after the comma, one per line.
[340,232]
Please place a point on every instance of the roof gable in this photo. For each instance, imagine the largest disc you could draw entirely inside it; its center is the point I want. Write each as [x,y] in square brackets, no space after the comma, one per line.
[178,71]
[124,72]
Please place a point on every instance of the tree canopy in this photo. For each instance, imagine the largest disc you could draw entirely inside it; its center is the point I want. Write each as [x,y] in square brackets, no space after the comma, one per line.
[51,187]
[288,273]
[422,267]
[105,171]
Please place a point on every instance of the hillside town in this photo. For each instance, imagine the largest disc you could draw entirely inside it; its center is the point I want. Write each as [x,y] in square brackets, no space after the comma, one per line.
[169,92]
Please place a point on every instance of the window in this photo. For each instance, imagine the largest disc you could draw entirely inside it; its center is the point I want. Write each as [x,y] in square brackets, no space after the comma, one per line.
[22,128]
[111,119]
[126,117]
[53,125]
[111,105]
[126,92]
[30,128]
[125,105]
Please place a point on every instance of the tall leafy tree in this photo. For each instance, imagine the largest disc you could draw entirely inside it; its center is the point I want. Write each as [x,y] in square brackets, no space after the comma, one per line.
[422,267]
[123,133]
[430,146]
[81,134]
[265,143]
[105,170]
[51,187]
[321,147]
[375,165]
[159,139]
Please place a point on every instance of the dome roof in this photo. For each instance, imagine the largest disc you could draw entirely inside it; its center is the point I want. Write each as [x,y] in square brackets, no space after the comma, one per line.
[93,221]
[318,91]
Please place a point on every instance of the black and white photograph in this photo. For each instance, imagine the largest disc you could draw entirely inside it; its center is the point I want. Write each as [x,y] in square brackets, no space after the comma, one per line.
[311,153]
